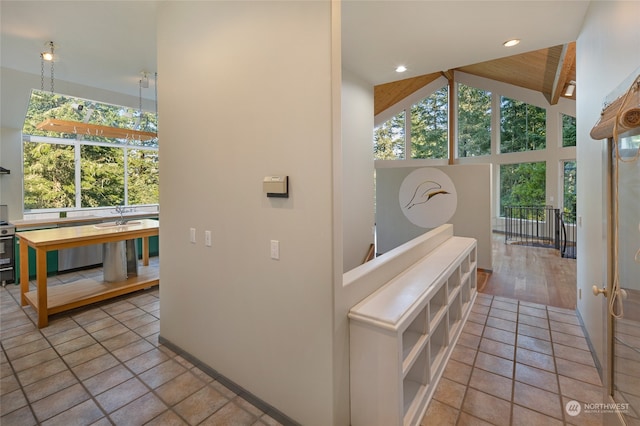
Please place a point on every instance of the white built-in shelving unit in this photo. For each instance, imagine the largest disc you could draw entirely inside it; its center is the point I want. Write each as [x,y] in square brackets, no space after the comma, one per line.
[401,336]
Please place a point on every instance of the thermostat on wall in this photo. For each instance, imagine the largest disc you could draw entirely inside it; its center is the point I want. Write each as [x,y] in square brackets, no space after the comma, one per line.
[276,186]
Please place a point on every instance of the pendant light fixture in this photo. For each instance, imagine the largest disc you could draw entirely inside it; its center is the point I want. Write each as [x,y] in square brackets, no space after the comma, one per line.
[48,56]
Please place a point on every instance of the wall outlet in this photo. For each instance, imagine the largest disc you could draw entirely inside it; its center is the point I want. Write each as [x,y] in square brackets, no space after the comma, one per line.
[192,235]
[275,249]
[207,238]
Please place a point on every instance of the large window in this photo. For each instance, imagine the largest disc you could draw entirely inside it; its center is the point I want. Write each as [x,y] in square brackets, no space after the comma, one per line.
[474,121]
[522,184]
[85,170]
[389,139]
[430,126]
[568,130]
[522,126]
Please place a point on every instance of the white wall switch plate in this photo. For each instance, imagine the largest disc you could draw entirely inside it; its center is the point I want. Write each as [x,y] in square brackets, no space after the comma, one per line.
[275,249]
[192,235]
[207,238]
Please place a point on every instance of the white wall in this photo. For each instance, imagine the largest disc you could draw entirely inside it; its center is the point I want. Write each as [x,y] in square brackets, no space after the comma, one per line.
[357,169]
[15,90]
[472,217]
[607,53]
[245,92]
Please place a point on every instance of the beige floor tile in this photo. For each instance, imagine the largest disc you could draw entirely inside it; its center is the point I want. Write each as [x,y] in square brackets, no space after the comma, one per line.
[497,348]
[480,309]
[573,354]
[569,340]
[121,394]
[450,392]
[477,318]
[139,411]
[534,312]
[22,417]
[146,360]
[501,324]
[132,350]
[200,405]
[440,414]
[86,412]
[580,391]
[59,402]
[120,340]
[50,385]
[34,359]
[504,305]
[66,336]
[537,377]
[162,373]
[563,327]
[498,335]
[457,371]
[581,372]
[76,344]
[12,401]
[535,359]
[101,324]
[487,407]
[89,316]
[536,345]
[473,328]
[525,417]
[468,420]
[469,340]
[494,364]
[9,383]
[109,332]
[566,317]
[95,366]
[107,379]
[20,346]
[85,354]
[533,321]
[168,418]
[179,388]
[531,331]
[464,354]
[508,315]
[42,371]
[537,399]
[491,383]
[230,413]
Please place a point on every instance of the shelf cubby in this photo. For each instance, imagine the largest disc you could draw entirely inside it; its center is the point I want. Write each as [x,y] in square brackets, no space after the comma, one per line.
[402,334]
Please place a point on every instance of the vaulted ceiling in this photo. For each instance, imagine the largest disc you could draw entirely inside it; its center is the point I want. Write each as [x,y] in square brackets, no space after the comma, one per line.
[548,71]
[106,44]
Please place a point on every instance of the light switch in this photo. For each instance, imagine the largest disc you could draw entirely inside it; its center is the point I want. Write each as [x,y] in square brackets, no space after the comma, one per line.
[207,238]
[192,235]
[275,249]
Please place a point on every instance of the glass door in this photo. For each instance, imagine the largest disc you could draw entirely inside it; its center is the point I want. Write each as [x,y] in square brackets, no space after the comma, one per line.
[624,291]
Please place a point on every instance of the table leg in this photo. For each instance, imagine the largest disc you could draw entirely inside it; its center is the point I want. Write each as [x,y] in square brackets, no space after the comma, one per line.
[145,251]
[24,271]
[41,278]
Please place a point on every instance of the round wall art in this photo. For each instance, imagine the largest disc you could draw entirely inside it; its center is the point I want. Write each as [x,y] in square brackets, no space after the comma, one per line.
[428,197]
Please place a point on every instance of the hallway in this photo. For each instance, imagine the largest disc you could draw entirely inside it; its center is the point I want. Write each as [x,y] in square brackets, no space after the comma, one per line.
[516,363]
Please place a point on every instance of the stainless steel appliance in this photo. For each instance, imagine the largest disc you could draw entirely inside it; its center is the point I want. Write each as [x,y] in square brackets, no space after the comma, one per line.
[7,248]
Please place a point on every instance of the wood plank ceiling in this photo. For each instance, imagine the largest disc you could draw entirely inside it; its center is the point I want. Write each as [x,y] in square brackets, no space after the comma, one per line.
[548,71]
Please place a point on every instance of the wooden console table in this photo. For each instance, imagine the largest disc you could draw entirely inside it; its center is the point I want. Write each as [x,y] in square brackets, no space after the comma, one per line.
[48,301]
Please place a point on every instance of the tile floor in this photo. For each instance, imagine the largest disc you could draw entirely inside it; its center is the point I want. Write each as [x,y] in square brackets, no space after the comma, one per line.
[517,363]
[103,365]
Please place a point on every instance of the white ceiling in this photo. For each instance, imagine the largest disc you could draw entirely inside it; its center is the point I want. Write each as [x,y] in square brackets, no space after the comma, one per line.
[107,44]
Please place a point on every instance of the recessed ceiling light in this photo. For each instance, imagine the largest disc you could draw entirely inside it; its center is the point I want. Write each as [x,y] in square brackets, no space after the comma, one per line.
[511,43]
[401,68]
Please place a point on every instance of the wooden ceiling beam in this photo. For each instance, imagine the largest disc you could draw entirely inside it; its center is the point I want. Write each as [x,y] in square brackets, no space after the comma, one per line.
[389,94]
[563,71]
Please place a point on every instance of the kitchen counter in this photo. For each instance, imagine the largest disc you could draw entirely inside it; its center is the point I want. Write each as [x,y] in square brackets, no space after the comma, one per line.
[47,301]
[25,224]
